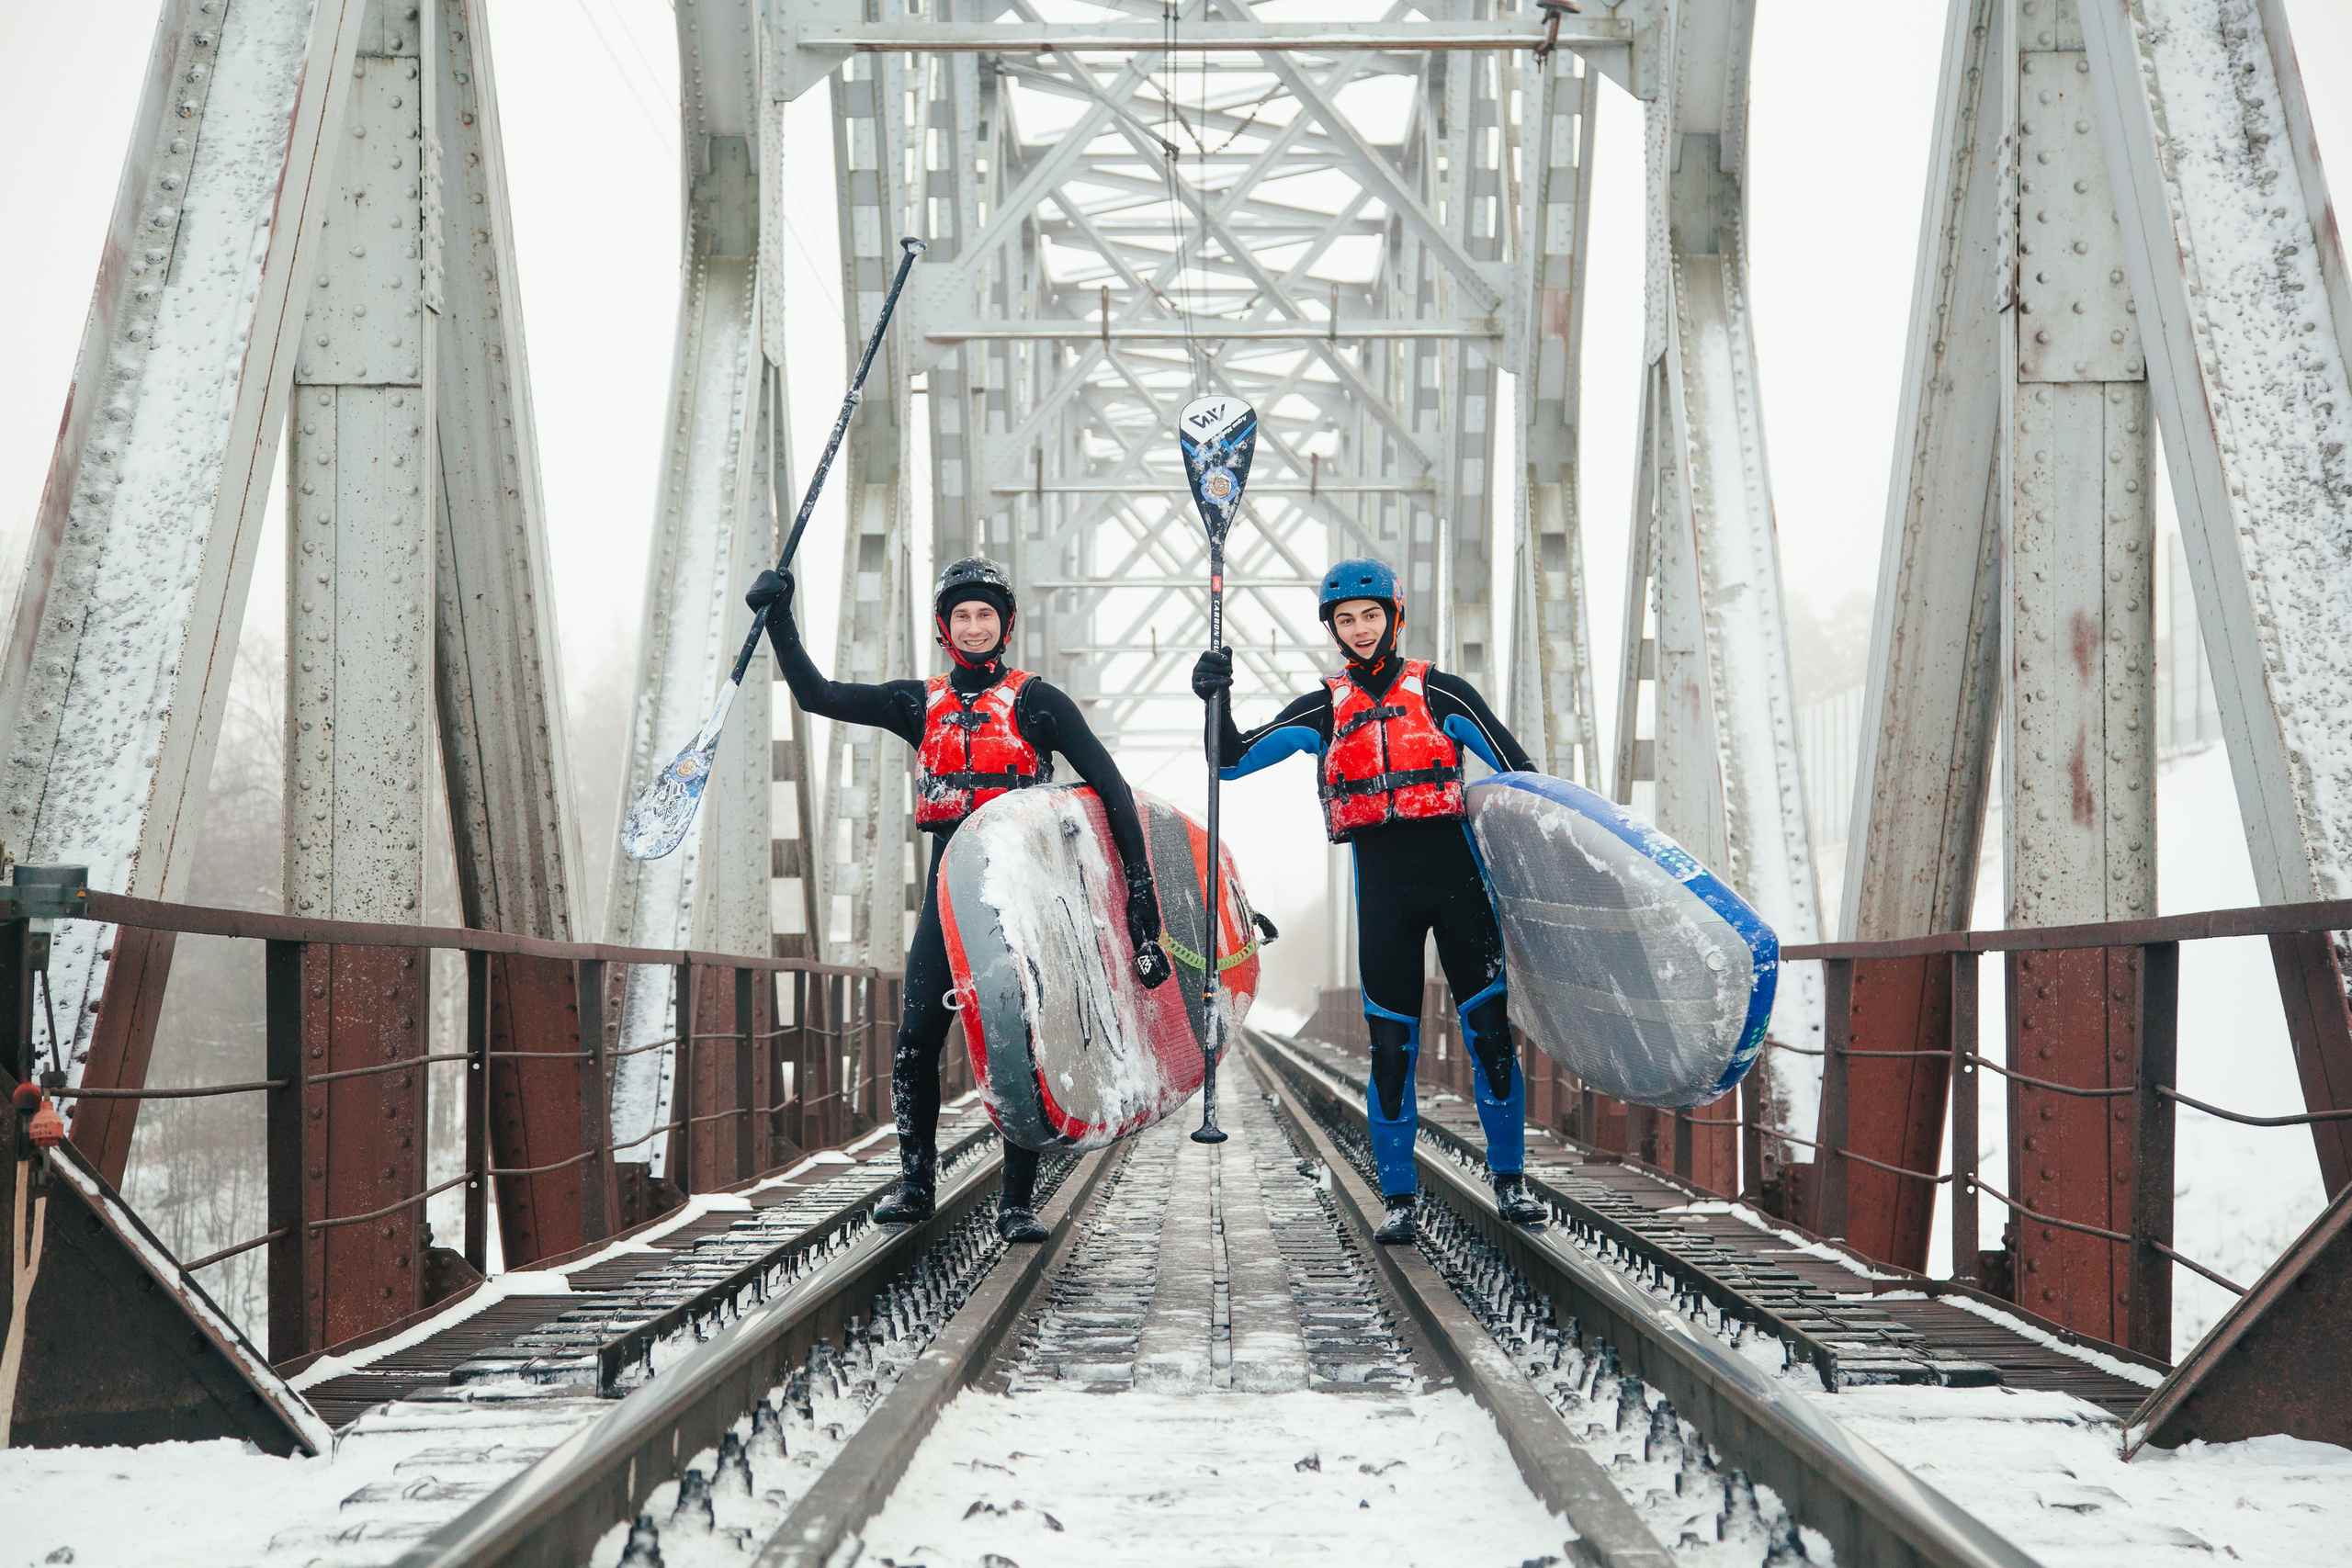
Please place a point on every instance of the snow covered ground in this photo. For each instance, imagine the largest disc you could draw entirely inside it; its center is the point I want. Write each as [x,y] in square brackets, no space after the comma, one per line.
[2043,1468]
[1095,1481]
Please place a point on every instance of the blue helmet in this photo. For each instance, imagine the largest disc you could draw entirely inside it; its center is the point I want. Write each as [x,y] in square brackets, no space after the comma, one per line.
[1360,578]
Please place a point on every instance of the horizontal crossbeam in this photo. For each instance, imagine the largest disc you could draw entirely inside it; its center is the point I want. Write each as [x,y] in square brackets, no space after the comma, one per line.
[1215,38]
[1116,487]
[1334,331]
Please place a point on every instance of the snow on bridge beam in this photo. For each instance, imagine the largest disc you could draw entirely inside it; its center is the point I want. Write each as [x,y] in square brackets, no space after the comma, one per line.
[1935,665]
[500,687]
[714,529]
[2246,309]
[868,831]
[1715,559]
[116,663]
[1551,687]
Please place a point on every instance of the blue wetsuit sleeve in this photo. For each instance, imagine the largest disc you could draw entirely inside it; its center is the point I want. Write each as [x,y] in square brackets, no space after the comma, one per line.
[1462,714]
[1302,725]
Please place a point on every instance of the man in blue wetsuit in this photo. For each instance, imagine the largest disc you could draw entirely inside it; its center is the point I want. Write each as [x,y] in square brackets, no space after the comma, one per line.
[1388,733]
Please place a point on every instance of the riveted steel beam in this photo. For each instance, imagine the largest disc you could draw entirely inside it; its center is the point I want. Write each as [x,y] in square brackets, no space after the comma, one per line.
[867,877]
[498,674]
[1551,689]
[115,665]
[2230,247]
[714,528]
[1936,653]
[1725,741]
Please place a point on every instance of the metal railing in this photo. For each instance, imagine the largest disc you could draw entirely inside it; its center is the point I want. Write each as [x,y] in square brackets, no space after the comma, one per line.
[772,1089]
[1696,1145]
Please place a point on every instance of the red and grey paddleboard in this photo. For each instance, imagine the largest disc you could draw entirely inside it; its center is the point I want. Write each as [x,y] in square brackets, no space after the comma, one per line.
[1069,1047]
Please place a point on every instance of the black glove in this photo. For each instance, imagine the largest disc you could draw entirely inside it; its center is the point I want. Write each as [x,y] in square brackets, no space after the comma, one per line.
[1212,673]
[770,588]
[1143,930]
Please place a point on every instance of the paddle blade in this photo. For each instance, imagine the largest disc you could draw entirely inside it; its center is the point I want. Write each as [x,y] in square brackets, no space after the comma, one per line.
[1218,434]
[657,818]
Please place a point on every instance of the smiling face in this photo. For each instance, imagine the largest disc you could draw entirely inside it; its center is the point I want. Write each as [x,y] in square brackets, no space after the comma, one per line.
[1358,625]
[974,627]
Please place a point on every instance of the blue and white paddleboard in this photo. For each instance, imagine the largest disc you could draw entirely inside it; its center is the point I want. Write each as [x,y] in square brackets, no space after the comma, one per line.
[1631,965]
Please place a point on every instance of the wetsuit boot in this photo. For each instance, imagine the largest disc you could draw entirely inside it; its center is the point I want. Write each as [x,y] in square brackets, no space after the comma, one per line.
[1015,1219]
[1396,1230]
[911,1200]
[1516,1202]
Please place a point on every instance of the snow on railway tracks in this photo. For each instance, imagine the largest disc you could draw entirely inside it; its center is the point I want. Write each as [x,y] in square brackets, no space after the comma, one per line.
[1207,1361]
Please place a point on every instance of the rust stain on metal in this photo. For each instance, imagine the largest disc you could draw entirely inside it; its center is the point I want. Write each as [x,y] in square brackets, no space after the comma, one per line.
[1556,312]
[2073,1018]
[2078,774]
[1895,1106]
[2083,639]
[535,1112]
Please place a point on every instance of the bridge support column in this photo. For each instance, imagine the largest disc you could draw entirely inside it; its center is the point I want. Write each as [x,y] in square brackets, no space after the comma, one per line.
[363,473]
[2079,795]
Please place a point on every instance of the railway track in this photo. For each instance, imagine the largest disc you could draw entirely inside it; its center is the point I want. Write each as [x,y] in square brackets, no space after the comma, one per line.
[1207,1358]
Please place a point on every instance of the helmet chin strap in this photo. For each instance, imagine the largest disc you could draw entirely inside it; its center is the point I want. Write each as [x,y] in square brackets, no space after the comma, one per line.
[1373,663]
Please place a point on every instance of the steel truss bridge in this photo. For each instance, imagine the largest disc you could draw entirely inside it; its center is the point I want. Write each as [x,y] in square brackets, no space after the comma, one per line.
[1361,223]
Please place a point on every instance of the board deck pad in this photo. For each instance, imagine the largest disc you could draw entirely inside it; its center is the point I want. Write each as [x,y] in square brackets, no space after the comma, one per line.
[1631,965]
[1069,1047]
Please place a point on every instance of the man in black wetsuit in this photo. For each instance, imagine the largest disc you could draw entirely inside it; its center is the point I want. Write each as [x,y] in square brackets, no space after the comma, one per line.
[978,731]
[1388,734]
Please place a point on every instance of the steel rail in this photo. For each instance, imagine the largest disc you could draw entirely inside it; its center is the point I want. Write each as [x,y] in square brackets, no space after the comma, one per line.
[1610,1534]
[1726,1298]
[553,1514]
[614,1355]
[1871,1509]
[859,1480]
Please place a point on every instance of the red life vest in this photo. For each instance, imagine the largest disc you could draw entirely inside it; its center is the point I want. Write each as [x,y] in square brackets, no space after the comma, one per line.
[1388,759]
[972,750]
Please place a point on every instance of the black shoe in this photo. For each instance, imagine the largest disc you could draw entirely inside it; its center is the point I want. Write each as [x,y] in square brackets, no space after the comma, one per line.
[909,1204]
[1516,1204]
[1396,1230]
[1018,1223]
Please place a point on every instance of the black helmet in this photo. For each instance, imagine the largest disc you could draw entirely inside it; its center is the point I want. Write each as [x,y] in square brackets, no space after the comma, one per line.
[975,577]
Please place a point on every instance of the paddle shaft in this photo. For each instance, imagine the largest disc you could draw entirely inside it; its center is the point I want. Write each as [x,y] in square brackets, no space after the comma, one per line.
[910,248]
[1212,1025]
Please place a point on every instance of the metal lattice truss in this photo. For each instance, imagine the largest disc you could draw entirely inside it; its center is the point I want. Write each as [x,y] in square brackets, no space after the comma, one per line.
[1321,227]
[2127,218]
[2127,232]
[312,238]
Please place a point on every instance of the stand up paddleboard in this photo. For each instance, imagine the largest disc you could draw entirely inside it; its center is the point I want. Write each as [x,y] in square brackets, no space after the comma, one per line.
[1631,965]
[1069,1047]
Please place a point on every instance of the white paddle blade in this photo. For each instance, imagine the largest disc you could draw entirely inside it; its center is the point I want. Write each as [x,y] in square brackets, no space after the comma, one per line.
[1218,435]
[1207,420]
[657,818]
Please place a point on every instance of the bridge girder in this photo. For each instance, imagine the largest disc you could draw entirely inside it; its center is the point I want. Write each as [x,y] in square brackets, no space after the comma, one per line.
[1704,627]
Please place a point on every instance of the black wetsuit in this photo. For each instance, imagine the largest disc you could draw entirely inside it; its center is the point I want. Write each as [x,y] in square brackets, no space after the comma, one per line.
[1414,878]
[1049,721]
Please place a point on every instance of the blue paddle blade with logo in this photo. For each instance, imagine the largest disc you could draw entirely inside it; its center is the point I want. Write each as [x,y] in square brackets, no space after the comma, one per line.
[1218,435]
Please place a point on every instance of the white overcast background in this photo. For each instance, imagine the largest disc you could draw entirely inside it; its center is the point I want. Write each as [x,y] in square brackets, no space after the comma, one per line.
[1841,112]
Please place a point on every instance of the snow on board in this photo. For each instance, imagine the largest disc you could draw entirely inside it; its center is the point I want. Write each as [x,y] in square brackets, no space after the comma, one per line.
[1630,963]
[1069,1048]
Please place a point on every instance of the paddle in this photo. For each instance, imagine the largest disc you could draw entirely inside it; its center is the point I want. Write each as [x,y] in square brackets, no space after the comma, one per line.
[1218,435]
[657,818]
